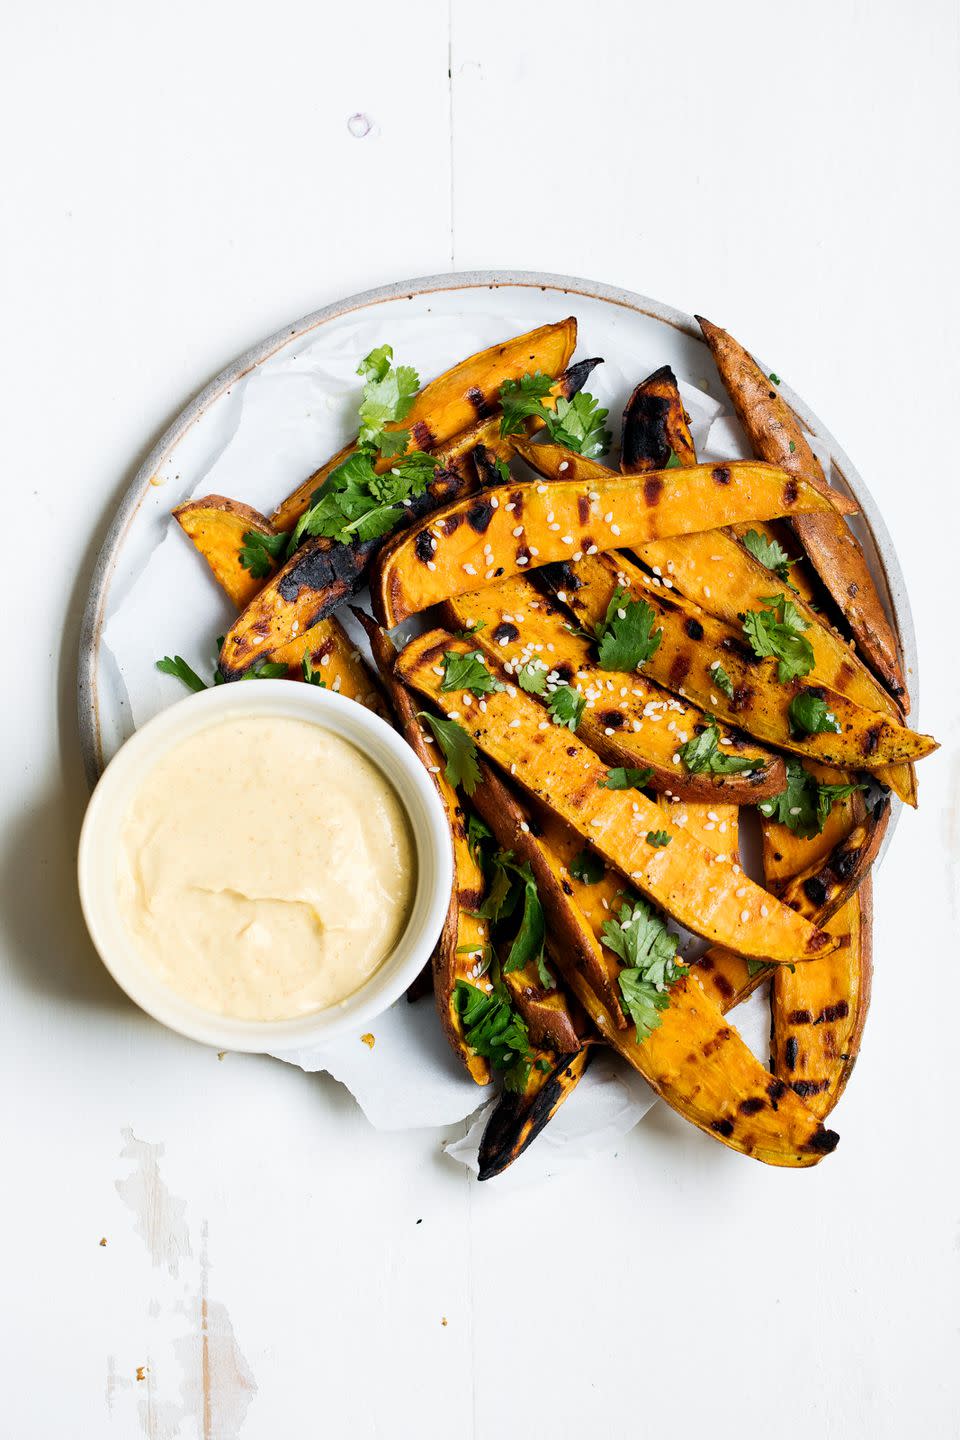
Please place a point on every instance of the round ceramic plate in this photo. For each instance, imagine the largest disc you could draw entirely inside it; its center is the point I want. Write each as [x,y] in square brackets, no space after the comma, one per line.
[286,405]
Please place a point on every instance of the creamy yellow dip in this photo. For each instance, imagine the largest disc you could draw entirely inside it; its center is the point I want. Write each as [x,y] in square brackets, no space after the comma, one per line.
[266,868]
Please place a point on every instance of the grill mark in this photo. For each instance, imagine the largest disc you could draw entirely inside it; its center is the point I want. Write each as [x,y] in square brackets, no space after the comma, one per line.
[817,941]
[722,1127]
[645,438]
[790,492]
[583,508]
[742,695]
[751,1106]
[694,629]
[724,986]
[845,863]
[423,546]
[710,1047]
[479,516]
[800,1017]
[613,718]
[564,671]
[721,475]
[823,1141]
[516,500]
[450,524]
[804,1088]
[423,435]
[839,1011]
[775,1092]
[652,490]
[679,669]
[505,632]
[566,887]
[790,1052]
[479,402]
[815,890]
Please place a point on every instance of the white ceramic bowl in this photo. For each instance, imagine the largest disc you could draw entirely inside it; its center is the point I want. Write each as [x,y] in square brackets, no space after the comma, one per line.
[100,842]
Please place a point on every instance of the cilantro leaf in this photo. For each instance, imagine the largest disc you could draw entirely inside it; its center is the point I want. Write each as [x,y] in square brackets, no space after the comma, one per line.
[260,552]
[387,396]
[721,679]
[519,399]
[265,670]
[468,672]
[529,941]
[478,833]
[533,677]
[810,715]
[495,1031]
[503,470]
[702,755]
[566,706]
[310,673]
[777,630]
[176,665]
[622,777]
[805,804]
[375,365]
[626,635]
[545,977]
[658,838]
[578,424]
[587,867]
[673,461]
[459,751]
[770,554]
[648,949]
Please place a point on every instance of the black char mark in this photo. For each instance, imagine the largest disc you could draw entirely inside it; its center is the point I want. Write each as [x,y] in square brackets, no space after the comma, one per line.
[505,632]
[424,546]
[721,474]
[479,516]
[652,490]
[694,629]
[515,1123]
[790,1051]
[479,402]
[646,444]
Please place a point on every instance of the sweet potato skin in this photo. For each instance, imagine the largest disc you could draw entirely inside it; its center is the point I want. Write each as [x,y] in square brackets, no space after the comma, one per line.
[545,1011]
[824,887]
[681,877]
[217,525]
[464,935]
[691,639]
[508,529]
[623,719]
[455,400]
[777,436]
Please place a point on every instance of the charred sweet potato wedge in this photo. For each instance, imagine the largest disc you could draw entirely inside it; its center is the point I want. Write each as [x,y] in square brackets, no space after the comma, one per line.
[464,937]
[824,887]
[776,435]
[518,1119]
[692,641]
[683,877]
[335,660]
[655,426]
[456,400]
[626,720]
[217,525]
[545,1010]
[818,1012]
[515,528]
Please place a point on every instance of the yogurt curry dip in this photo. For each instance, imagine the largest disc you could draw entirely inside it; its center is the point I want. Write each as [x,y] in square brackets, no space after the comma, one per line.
[266,868]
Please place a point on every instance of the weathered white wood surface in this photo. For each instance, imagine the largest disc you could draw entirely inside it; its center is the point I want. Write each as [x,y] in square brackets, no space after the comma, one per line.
[225,1249]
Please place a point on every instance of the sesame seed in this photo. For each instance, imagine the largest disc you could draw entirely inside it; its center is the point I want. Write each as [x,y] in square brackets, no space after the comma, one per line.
[566,539]
[511,506]
[489,575]
[615,529]
[608,517]
[542,489]
[522,559]
[741,892]
[764,911]
[676,759]
[550,515]
[524,827]
[470,569]
[744,916]
[518,531]
[706,591]
[431,565]
[597,824]
[577,555]
[514,725]
[434,769]
[324,659]
[591,549]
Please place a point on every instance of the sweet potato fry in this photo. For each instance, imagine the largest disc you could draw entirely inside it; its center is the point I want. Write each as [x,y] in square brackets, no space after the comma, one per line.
[519,1118]
[777,436]
[217,526]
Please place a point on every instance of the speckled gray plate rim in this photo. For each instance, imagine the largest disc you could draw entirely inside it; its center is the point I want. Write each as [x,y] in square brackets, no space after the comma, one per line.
[891,574]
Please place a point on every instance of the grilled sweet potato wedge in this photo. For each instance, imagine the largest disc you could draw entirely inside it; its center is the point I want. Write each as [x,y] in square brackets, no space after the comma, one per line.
[456,400]
[627,720]
[692,641]
[824,887]
[545,1011]
[464,937]
[519,1118]
[217,526]
[509,529]
[683,877]
[776,435]
[818,1010]
[655,426]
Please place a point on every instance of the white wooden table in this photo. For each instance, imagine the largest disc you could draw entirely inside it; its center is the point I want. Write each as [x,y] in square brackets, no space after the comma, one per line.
[226,1250]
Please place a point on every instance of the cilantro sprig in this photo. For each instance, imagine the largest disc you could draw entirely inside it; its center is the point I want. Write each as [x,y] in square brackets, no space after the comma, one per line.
[355,501]
[810,715]
[649,952]
[459,751]
[587,867]
[577,423]
[771,554]
[468,672]
[777,630]
[260,552]
[625,636]
[805,803]
[721,679]
[624,777]
[495,1031]
[703,755]
[566,706]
